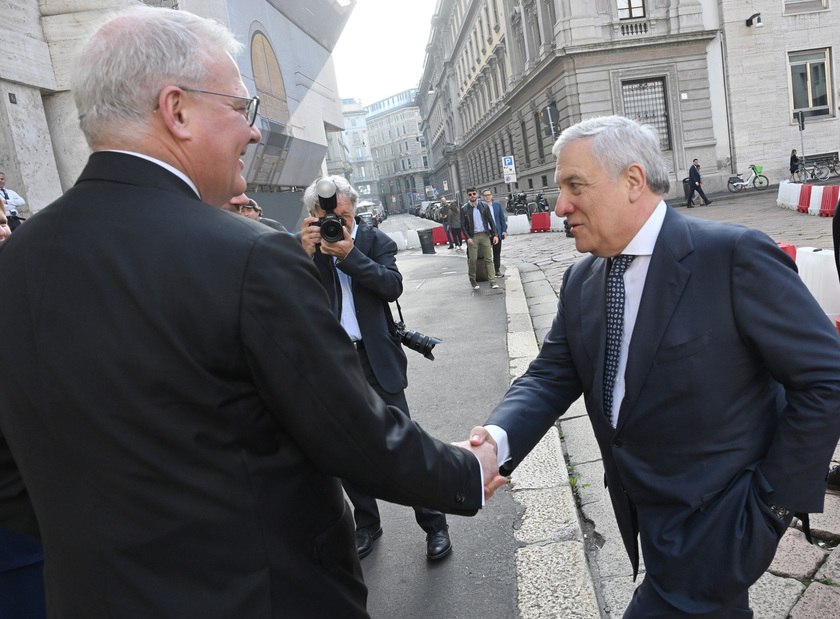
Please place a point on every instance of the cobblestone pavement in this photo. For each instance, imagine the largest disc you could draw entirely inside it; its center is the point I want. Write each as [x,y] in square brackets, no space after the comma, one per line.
[803,580]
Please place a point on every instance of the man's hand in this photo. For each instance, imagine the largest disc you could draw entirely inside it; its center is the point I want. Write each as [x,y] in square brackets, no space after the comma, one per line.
[484,448]
[339,249]
[470,242]
[495,240]
[504,235]
[310,236]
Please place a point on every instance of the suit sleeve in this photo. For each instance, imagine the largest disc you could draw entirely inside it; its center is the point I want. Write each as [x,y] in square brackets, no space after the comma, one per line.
[16,511]
[787,329]
[502,220]
[540,396]
[377,271]
[309,377]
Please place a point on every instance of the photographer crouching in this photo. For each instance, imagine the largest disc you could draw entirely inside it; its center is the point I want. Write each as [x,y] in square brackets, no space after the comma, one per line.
[358,268]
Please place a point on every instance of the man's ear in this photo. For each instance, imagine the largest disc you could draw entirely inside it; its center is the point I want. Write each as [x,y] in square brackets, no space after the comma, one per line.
[175,112]
[636,180]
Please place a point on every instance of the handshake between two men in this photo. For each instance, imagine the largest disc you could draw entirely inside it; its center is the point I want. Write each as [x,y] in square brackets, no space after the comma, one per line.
[484,447]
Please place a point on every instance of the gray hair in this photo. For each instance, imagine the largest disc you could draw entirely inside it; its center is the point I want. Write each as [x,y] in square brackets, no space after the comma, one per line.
[616,142]
[342,186]
[129,60]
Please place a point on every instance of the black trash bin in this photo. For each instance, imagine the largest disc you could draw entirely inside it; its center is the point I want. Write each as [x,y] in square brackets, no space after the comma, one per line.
[686,188]
[427,241]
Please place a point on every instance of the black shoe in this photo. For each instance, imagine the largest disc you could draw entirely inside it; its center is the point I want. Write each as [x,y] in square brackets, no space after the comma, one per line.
[365,536]
[709,202]
[438,544]
[451,247]
[499,274]
[689,206]
[834,478]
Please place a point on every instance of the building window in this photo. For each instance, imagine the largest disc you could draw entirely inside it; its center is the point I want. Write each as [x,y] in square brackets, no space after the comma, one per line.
[530,183]
[631,9]
[524,130]
[538,133]
[544,180]
[810,86]
[645,101]
[798,6]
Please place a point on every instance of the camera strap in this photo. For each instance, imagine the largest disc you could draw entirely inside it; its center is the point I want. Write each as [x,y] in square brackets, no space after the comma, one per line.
[399,310]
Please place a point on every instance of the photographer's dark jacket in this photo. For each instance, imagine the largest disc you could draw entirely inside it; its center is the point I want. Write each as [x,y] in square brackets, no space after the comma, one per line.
[468,224]
[372,266]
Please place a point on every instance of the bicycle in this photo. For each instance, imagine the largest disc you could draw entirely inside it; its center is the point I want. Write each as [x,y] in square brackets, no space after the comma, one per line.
[815,169]
[833,165]
[758,180]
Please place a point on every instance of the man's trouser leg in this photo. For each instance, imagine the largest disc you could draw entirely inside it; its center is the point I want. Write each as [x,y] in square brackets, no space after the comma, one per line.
[487,248]
[497,256]
[472,258]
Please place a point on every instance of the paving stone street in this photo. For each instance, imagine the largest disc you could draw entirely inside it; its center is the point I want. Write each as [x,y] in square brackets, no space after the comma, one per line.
[803,580]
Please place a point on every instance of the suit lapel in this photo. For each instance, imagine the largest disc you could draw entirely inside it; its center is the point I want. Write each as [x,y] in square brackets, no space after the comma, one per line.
[666,279]
[592,324]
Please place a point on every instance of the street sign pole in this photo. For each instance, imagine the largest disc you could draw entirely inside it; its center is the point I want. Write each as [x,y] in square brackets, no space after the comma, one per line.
[801,118]
[509,171]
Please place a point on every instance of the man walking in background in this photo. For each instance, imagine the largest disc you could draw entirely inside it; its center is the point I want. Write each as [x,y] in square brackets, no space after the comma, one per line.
[501,229]
[695,182]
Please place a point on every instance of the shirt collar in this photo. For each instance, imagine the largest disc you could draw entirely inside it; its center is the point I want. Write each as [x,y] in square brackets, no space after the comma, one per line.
[645,239]
[162,164]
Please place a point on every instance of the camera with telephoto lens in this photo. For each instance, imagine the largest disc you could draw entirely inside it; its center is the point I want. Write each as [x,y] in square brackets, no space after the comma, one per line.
[417,341]
[332,225]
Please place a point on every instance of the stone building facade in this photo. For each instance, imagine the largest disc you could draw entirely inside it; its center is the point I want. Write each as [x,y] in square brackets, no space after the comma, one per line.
[287,61]
[715,88]
[398,147]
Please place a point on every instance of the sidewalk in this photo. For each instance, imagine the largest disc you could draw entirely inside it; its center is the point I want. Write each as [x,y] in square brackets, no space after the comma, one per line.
[566,517]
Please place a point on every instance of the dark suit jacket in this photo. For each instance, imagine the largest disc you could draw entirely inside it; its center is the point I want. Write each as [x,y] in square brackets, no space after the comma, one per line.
[732,400]
[180,402]
[376,281]
[694,176]
[468,225]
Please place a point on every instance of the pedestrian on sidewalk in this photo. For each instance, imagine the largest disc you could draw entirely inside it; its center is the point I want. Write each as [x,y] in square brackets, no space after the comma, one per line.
[501,228]
[716,408]
[455,223]
[794,164]
[443,214]
[695,180]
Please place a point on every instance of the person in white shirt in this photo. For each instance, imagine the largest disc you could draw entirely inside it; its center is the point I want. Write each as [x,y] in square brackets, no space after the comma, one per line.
[11,202]
[716,407]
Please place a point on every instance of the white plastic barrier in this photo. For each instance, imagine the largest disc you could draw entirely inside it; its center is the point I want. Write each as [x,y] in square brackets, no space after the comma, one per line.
[557,222]
[783,199]
[518,224]
[412,239]
[793,197]
[399,238]
[818,272]
[816,200]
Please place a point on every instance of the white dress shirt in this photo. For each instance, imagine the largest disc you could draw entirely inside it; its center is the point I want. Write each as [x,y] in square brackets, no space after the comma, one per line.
[634,283]
[12,200]
[348,305]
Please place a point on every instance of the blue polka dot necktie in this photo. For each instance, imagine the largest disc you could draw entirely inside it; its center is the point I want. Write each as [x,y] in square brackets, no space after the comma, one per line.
[615,327]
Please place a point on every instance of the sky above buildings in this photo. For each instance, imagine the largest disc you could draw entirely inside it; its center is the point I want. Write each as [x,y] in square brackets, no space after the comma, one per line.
[382,48]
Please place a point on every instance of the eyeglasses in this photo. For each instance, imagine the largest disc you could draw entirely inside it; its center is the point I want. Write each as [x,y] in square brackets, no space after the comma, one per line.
[250,111]
[471,193]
